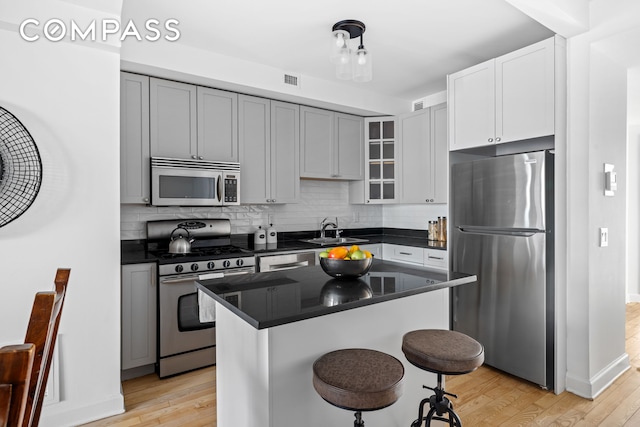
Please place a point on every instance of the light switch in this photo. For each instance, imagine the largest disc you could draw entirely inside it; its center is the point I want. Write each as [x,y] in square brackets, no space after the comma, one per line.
[610,180]
[604,237]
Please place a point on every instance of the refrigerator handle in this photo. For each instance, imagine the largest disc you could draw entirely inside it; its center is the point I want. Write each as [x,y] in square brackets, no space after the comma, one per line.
[518,232]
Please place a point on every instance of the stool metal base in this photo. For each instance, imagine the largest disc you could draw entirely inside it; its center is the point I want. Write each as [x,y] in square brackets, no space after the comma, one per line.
[439,406]
[359,422]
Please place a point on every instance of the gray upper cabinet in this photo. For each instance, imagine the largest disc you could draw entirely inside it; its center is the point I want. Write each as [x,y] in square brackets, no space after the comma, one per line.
[268,144]
[331,145]
[173,119]
[349,156]
[316,150]
[440,159]
[217,125]
[285,152]
[424,155]
[193,122]
[416,152]
[134,138]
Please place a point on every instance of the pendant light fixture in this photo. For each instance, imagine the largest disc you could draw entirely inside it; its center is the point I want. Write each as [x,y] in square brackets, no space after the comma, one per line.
[350,64]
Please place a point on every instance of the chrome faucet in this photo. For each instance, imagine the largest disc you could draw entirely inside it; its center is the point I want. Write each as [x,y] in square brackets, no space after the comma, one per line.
[326,223]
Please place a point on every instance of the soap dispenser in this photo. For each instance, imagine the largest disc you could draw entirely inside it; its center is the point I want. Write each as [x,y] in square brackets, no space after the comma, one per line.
[259,237]
[272,235]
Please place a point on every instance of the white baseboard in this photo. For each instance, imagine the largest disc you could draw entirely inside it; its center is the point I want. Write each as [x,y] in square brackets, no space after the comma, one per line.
[591,388]
[60,415]
[633,297]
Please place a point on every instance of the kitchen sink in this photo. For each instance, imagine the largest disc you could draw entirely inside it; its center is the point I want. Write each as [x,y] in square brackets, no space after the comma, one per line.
[334,240]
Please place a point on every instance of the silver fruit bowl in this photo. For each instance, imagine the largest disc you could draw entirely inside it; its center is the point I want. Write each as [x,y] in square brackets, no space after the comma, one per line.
[346,269]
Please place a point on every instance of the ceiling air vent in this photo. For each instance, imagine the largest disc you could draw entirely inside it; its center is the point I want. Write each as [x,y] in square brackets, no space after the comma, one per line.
[291,80]
[418,105]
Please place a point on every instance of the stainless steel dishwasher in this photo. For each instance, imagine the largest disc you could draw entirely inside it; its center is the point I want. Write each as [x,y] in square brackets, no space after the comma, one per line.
[288,261]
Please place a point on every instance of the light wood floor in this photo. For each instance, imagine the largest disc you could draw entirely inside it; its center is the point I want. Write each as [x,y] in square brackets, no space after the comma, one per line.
[487,397]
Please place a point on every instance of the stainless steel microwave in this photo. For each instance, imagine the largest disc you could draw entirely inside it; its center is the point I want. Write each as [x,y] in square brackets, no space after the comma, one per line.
[186,182]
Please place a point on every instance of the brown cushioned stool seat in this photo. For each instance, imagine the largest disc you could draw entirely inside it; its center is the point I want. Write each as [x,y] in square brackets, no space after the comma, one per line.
[448,352]
[358,379]
[443,352]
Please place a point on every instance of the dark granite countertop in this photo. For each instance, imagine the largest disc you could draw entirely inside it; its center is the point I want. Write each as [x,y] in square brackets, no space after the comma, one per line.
[271,299]
[134,251]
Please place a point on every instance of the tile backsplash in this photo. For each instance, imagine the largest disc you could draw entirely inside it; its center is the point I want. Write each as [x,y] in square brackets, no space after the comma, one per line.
[318,199]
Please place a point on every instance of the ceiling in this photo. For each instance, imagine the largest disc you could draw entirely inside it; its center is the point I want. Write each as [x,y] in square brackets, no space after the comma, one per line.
[414,43]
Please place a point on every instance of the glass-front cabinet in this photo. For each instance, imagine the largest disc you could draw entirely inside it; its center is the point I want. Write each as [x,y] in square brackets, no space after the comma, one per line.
[381,151]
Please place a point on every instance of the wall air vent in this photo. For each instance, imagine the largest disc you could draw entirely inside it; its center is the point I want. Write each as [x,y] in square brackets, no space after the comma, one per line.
[291,80]
[419,104]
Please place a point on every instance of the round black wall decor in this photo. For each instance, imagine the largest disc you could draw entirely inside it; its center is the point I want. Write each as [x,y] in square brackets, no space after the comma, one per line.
[20,168]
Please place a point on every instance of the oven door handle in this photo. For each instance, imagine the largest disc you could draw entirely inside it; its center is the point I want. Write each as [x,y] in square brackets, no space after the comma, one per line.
[182,279]
[220,188]
[235,273]
[208,276]
[288,266]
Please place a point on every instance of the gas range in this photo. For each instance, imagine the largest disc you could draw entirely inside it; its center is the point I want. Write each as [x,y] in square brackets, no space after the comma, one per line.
[211,250]
[204,260]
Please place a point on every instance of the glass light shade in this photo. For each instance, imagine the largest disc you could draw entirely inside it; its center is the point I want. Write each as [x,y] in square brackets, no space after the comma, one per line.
[339,41]
[362,67]
[344,66]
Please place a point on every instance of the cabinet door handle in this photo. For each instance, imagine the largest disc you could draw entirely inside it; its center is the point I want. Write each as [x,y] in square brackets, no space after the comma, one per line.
[405,253]
[435,257]
[194,157]
[497,139]
[490,139]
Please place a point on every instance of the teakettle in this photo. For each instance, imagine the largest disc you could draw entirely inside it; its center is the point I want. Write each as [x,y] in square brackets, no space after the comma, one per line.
[180,244]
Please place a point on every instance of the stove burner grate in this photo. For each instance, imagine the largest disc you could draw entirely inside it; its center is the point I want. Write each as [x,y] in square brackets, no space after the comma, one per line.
[218,251]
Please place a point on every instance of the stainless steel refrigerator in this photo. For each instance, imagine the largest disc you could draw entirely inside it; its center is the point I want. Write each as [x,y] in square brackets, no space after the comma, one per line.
[502,231]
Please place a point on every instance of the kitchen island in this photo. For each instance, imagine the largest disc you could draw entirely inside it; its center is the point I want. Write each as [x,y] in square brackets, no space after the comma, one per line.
[271,327]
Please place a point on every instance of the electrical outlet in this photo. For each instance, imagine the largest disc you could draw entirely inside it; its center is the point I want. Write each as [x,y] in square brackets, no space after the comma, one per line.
[604,237]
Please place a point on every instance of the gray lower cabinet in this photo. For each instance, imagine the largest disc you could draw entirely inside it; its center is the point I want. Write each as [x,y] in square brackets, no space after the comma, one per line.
[331,145]
[268,140]
[134,138]
[138,315]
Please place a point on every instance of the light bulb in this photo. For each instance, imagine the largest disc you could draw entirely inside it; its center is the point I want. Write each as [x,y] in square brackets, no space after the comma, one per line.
[362,57]
[339,40]
[345,56]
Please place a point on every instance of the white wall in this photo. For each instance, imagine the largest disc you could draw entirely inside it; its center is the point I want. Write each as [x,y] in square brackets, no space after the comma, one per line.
[74,222]
[633,179]
[596,135]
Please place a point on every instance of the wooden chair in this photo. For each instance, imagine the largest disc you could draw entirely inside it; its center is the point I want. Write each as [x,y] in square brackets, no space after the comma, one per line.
[24,368]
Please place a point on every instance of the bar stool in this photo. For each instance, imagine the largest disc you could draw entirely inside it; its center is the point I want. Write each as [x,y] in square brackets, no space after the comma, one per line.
[358,380]
[442,352]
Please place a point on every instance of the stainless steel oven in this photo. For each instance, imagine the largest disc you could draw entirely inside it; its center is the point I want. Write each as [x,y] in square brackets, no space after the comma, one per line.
[185,340]
[186,182]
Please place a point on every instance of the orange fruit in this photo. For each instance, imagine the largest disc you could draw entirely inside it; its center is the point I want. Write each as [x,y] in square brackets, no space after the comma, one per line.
[368,254]
[338,252]
[353,248]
